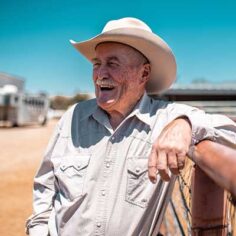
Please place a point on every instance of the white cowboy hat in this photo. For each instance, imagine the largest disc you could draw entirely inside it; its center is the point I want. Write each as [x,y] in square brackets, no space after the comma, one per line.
[137,34]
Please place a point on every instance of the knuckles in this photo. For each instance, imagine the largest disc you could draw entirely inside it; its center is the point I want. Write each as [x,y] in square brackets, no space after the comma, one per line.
[161,167]
[168,147]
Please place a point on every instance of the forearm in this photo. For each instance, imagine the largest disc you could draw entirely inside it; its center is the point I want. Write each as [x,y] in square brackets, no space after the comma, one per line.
[218,162]
[217,128]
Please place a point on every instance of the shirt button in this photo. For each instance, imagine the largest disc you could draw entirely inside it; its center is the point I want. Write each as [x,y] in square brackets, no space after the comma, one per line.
[137,170]
[107,165]
[112,138]
[103,192]
[99,225]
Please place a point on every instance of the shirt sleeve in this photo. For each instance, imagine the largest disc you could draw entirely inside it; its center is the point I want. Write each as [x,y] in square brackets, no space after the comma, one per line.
[43,192]
[215,127]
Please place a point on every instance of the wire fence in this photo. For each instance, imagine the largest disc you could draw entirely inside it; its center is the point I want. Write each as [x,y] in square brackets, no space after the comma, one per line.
[178,217]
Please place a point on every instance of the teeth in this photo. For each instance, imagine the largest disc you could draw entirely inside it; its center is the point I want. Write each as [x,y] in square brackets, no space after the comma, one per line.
[104,84]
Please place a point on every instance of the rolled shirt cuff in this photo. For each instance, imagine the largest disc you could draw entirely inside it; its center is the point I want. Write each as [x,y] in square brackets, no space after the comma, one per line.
[38,230]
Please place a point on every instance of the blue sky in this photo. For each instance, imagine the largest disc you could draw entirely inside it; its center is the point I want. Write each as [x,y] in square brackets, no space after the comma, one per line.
[34,38]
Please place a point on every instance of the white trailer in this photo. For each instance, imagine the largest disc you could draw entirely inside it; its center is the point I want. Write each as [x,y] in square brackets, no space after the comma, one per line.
[21,109]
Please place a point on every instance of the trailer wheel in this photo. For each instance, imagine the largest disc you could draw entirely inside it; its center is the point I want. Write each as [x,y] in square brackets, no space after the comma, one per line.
[42,120]
[15,124]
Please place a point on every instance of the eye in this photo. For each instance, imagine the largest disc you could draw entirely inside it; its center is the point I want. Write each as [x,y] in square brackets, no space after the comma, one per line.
[96,65]
[113,64]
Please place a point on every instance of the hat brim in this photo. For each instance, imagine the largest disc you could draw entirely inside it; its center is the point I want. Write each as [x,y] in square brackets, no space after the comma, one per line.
[159,54]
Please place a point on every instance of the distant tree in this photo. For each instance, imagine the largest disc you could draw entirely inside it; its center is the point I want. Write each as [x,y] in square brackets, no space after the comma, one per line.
[62,102]
[78,98]
[59,103]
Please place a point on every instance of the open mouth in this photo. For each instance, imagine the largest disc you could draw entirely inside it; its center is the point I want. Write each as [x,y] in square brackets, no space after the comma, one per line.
[106,87]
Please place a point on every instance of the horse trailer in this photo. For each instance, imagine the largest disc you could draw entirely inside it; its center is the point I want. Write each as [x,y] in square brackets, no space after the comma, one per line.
[20,109]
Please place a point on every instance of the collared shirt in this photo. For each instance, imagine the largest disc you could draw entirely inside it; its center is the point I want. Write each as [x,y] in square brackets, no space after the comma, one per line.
[93,180]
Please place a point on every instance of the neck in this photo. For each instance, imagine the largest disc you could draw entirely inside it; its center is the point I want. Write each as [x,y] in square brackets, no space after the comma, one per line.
[117,116]
[115,119]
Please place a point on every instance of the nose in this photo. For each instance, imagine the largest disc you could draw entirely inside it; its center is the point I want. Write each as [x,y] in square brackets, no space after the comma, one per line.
[102,72]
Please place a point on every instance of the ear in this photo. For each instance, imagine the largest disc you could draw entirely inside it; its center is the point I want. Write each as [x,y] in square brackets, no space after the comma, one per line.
[146,72]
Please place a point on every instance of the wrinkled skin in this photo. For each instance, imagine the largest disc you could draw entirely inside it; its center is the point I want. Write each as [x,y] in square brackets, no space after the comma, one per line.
[123,73]
[170,149]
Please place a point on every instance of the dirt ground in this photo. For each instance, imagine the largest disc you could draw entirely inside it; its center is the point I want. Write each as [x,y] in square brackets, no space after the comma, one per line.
[21,150]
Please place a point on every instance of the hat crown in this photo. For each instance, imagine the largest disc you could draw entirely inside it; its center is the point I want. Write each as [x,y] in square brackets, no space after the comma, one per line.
[127,22]
[135,33]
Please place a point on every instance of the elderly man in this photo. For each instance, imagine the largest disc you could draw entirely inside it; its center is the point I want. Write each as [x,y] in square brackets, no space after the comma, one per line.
[95,176]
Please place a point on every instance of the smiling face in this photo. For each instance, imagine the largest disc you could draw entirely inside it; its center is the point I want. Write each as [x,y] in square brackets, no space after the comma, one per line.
[119,74]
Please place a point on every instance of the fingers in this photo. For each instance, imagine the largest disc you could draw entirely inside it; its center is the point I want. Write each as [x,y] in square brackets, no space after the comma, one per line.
[162,166]
[162,161]
[173,163]
[181,160]
[152,166]
[169,149]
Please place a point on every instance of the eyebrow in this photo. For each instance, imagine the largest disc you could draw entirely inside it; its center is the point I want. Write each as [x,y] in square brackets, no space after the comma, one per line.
[108,59]
[113,58]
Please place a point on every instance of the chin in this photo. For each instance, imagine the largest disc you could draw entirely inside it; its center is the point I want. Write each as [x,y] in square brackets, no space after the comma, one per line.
[103,104]
[107,106]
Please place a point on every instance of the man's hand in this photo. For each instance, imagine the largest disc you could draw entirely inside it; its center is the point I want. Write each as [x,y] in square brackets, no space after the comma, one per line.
[170,149]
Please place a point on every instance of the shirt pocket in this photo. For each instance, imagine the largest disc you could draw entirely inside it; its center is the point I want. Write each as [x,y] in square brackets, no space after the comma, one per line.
[71,175]
[138,188]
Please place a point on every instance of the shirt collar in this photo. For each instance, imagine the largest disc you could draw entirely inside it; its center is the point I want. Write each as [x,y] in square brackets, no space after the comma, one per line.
[141,111]
[142,108]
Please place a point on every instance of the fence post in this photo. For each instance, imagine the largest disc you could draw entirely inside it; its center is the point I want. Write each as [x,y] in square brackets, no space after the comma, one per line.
[208,206]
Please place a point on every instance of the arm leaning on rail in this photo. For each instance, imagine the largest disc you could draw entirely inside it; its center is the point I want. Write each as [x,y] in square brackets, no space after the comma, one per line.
[218,162]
